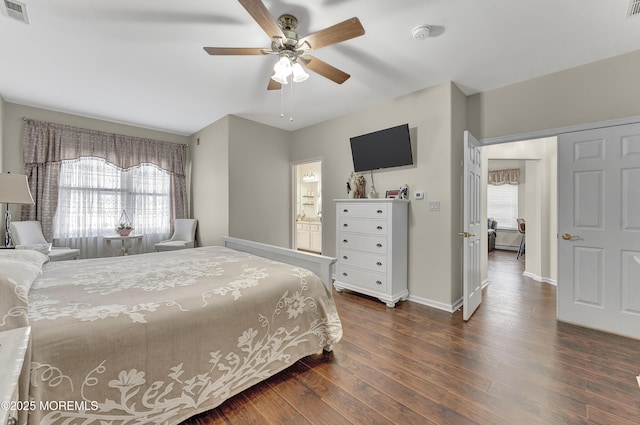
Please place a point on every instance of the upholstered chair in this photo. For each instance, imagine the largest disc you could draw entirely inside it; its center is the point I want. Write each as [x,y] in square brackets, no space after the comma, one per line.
[492,228]
[184,236]
[28,235]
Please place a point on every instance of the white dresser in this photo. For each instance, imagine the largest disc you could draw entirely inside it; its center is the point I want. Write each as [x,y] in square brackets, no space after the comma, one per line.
[13,346]
[372,248]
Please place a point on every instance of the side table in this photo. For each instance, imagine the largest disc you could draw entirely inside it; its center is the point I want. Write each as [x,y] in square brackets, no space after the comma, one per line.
[127,243]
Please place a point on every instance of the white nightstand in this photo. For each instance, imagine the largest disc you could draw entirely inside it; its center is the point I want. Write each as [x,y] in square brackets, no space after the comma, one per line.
[13,346]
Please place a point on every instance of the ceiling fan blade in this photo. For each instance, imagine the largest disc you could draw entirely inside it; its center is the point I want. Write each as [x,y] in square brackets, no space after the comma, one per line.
[273,85]
[261,15]
[324,69]
[346,30]
[236,50]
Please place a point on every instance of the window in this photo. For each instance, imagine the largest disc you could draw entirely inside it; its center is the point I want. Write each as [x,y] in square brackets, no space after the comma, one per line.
[502,205]
[93,193]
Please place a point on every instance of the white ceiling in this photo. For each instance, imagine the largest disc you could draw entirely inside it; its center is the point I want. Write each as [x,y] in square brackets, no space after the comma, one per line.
[142,63]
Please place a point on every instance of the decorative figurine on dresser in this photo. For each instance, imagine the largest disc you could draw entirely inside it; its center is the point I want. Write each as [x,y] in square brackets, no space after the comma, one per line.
[372,249]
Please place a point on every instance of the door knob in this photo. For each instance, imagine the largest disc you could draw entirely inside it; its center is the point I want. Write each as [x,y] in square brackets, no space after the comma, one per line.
[568,236]
[466,234]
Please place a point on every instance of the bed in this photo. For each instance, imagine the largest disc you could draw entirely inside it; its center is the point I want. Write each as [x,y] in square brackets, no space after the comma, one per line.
[157,338]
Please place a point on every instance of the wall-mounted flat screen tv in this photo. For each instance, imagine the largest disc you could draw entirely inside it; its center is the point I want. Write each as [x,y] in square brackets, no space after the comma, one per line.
[382,149]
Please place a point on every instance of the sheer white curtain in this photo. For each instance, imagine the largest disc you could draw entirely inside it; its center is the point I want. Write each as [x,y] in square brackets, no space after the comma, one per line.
[92,195]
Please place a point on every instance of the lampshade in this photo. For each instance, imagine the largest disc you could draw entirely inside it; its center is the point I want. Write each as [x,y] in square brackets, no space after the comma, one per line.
[14,189]
[298,73]
[282,70]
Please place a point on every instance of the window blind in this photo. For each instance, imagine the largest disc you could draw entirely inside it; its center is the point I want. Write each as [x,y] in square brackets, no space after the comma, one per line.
[502,205]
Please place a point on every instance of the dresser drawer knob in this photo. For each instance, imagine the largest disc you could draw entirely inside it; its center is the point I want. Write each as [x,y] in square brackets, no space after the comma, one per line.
[379,227]
[345,225]
[344,257]
[379,211]
[379,264]
[345,210]
[345,241]
[378,282]
[345,274]
[379,245]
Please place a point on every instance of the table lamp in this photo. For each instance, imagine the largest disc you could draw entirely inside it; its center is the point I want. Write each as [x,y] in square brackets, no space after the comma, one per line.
[14,189]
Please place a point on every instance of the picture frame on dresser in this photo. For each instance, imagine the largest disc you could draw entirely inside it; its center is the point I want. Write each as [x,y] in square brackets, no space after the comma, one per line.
[372,248]
[392,194]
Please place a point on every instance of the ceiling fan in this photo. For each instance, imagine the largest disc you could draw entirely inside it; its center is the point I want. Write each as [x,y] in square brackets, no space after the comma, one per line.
[290,47]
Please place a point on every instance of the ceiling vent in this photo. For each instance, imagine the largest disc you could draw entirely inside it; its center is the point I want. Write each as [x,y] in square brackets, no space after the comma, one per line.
[14,9]
[634,8]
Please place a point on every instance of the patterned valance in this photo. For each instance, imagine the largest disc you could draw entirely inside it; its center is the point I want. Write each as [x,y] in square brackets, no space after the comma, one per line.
[499,177]
[49,142]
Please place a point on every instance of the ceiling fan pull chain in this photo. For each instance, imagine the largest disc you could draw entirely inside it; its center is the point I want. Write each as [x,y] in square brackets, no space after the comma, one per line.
[281,101]
[291,102]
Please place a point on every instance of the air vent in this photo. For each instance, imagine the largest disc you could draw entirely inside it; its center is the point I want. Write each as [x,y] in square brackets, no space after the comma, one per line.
[634,8]
[14,9]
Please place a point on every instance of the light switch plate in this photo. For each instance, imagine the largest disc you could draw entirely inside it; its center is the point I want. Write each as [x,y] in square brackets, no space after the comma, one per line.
[434,206]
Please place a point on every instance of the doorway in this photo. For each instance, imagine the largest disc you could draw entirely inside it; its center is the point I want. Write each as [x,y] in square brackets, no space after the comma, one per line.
[593,292]
[536,202]
[307,201]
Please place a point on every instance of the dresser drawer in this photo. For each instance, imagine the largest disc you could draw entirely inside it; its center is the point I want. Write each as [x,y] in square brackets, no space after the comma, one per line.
[363,210]
[362,278]
[359,225]
[368,243]
[373,262]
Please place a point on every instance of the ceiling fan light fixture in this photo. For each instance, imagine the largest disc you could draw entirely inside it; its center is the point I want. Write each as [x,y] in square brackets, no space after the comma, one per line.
[298,73]
[283,66]
[282,79]
[282,69]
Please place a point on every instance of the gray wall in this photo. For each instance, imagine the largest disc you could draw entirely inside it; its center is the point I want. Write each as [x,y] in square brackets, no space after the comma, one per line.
[241,182]
[210,182]
[599,91]
[259,182]
[2,112]
[2,107]
[434,255]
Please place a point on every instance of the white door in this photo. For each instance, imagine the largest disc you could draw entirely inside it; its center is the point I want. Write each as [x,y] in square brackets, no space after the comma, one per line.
[599,229]
[472,282]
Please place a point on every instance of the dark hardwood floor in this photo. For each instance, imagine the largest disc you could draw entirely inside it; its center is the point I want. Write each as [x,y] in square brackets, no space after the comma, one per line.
[512,363]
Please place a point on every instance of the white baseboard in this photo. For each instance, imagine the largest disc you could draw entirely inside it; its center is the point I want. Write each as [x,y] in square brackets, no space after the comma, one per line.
[507,247]
[436,304]
[451,308]
[540,278]
[485,283]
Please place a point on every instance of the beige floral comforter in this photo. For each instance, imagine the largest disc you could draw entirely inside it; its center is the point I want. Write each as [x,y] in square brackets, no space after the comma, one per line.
[157,338]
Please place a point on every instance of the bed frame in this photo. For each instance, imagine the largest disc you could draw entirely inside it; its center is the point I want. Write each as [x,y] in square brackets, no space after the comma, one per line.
[319,264]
